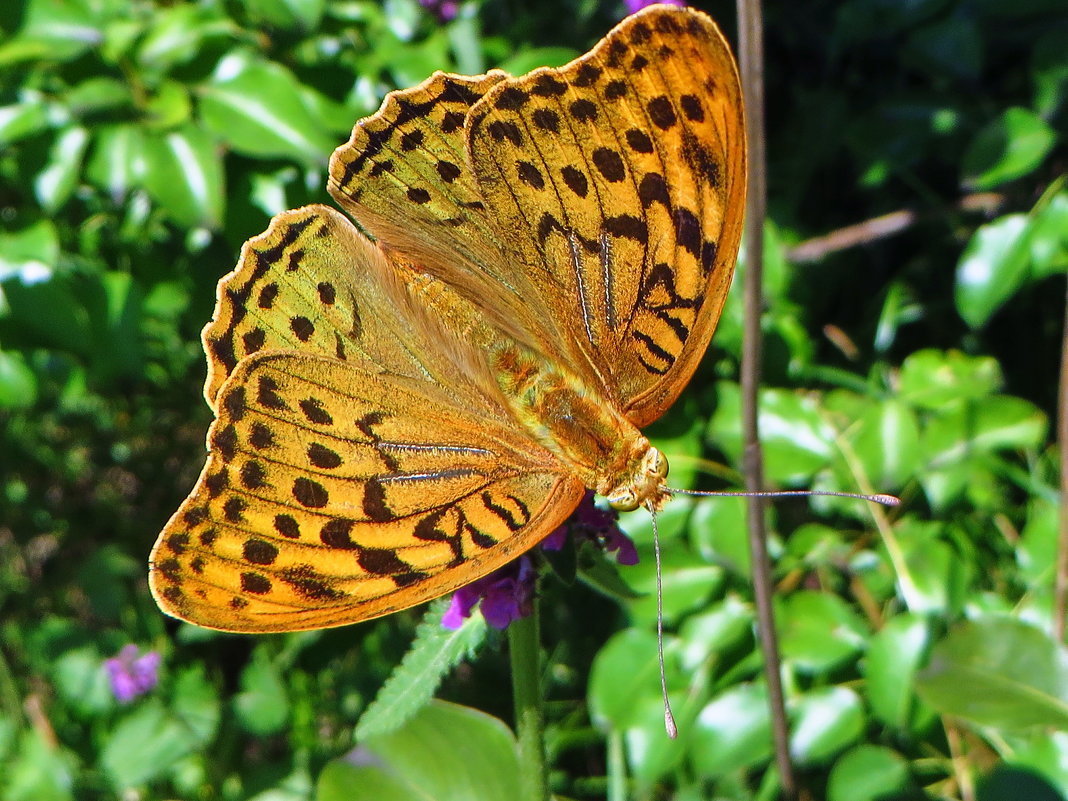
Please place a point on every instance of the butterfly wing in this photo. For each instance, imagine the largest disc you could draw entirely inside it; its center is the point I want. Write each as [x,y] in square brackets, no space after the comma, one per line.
[620,183]
[355,468]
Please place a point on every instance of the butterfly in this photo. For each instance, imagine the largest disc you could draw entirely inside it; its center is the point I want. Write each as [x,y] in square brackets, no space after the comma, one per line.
[406,403]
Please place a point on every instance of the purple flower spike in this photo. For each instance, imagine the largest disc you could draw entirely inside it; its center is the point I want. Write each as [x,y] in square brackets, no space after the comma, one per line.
[590,522]
[132,675]
[634,6]
[506,594]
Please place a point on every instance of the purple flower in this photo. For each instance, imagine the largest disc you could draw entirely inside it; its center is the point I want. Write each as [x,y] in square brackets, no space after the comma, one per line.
[444,10]
[634,6]
[506,595]
[132,675]
[597,525]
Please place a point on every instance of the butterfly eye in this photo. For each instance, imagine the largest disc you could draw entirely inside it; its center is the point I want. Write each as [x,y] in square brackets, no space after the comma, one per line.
[655,464]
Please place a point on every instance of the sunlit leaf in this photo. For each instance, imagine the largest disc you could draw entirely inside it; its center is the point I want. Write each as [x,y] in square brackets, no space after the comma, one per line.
[998,672]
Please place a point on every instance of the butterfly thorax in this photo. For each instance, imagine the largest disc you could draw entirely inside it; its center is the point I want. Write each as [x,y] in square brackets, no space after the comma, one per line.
[581,428]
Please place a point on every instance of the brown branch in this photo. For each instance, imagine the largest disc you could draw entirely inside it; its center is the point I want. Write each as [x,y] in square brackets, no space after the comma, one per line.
[751,56]
[868,231]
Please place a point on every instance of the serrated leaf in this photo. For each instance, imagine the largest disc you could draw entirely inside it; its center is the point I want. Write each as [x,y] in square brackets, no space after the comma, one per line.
[434,652]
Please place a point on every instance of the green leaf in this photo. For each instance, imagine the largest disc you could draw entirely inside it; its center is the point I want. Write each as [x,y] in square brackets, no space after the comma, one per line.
[998,672]
[185,176]
[1049,70]
[886,439]
[719,531]
[732,732]
[625,668]
[445,752]
[797,440]
[262,706]
[930,379]
[434,652]
[687,584]
[1007,148]
[987,425]
[143,746]
[29,253]
[256,107]
[301,15]
[1049,237]
[39,771]
[168,107]
[818,631]
[938,577]
[117,162]
[1036,552]
[894,656]
[97,94]
[625,698]
[81,681]
[1044,753]
[55,183]
[708,635]
[18,382]
[196,704]
[824,721]
[993,266]
[177,35]
[868,773]
[20,120]
[53,31]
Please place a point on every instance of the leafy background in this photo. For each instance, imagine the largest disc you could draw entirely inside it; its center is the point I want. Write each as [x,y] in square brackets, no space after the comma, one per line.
[141,142]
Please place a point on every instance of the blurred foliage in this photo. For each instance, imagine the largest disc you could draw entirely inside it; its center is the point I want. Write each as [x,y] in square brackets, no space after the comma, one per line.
[142,142]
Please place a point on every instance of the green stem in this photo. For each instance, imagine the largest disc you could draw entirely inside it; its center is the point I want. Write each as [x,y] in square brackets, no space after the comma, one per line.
[526,688]
[617,767]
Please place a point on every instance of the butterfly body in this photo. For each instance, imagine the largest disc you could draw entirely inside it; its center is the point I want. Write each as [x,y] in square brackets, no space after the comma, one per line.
[404,406]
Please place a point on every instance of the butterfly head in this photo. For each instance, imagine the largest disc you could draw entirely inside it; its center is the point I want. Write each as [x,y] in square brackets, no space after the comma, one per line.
[645,486]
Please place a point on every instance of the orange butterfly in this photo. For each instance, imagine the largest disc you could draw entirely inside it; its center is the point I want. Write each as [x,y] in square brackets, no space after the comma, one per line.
[406,405]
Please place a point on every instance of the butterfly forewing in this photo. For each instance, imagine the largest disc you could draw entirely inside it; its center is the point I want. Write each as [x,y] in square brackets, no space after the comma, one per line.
[618,185]
[404,177]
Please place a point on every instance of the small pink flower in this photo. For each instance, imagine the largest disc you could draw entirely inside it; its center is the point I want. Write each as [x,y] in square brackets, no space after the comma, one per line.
[132,675]
[444,10]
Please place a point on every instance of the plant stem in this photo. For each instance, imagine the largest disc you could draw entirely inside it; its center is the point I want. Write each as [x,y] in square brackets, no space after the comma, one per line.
[523,641]
[751,58]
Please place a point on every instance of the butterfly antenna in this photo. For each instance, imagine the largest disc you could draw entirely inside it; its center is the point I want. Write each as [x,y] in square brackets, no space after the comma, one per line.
[885,500]
[669,719]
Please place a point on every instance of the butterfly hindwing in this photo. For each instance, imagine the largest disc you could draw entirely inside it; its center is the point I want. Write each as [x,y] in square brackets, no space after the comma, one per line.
[356,466]
[331,497]
[617,183]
